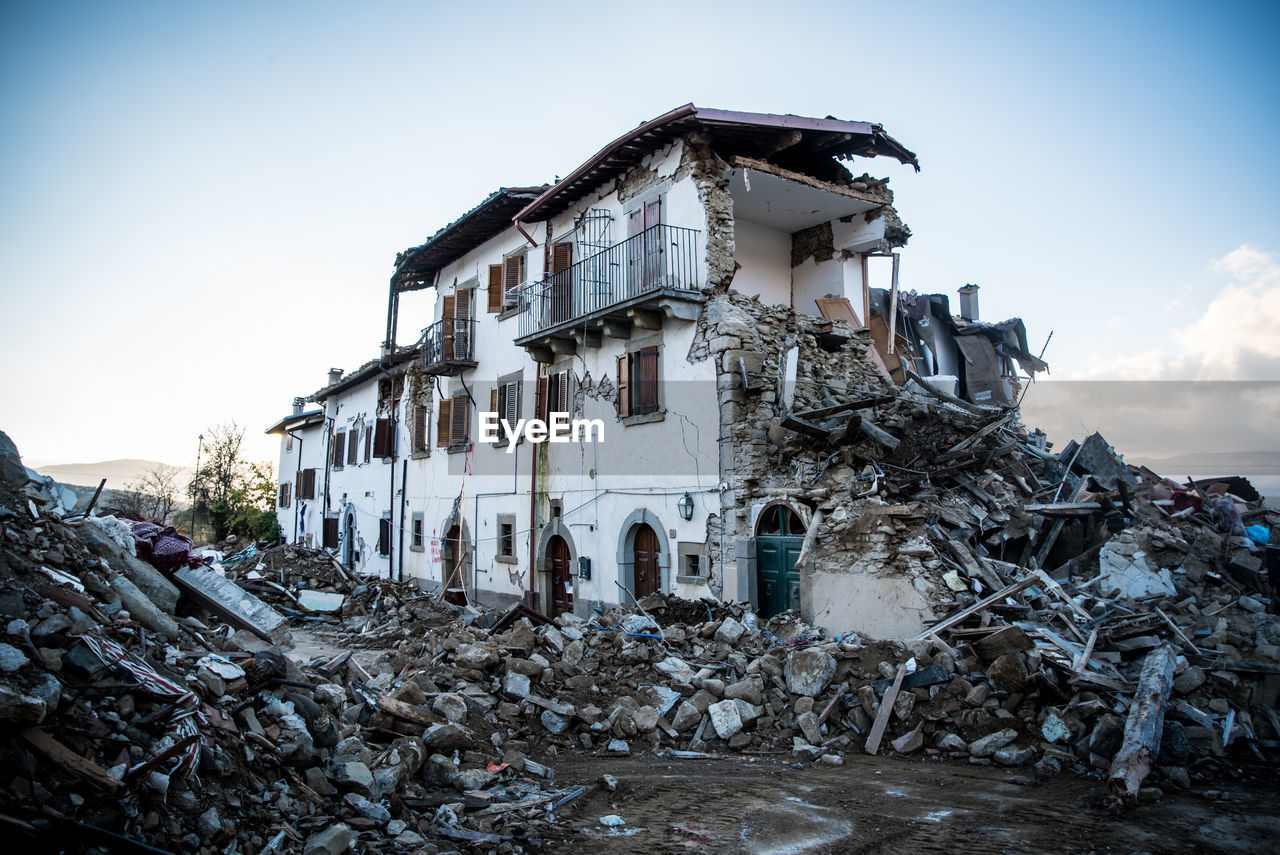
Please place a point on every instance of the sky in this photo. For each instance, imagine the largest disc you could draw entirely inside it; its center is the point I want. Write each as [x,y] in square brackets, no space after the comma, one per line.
[202,202]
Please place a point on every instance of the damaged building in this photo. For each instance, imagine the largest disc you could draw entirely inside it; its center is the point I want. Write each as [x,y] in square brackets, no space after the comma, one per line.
[701,289]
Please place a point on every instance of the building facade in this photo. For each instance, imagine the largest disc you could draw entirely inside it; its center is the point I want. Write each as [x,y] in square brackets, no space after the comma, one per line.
[631,295]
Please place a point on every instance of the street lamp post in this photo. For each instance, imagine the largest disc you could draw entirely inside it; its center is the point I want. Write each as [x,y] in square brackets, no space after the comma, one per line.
[199,448]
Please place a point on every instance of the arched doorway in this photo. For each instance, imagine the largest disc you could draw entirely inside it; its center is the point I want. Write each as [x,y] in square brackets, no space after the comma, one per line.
[349,539]
[559,561]
[454,566]
[779,538]
[646,551]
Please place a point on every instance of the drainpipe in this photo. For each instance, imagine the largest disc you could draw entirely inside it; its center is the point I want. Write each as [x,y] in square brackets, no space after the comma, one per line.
[520,228]
[328,458]
[533,489]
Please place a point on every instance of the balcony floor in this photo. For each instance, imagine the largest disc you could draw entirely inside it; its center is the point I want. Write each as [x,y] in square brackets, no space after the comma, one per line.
[676,303]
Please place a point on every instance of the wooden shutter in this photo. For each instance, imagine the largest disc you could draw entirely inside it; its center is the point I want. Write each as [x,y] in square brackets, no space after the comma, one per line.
[380,445]
[540,405]
[443,423]
[339,447]
[511,402]
[353,447]
[496,288]
[330,532]
[624,386]
[368,444]
[561,257]
[635,222]
[280,496]
[420,427]
[298,491]
[384,536]
[446,327]
[512,276]
[460,420]
[562,392]
[462,304]
[309,483]
[493,402]
[462,345]
[647,381]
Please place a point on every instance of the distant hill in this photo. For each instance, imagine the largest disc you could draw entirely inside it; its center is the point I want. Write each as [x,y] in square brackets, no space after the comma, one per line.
[1213,462]
[117,472]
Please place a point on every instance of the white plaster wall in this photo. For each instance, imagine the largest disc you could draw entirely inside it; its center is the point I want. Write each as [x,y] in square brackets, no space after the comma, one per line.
[364,486]
[813,280]
[765,256]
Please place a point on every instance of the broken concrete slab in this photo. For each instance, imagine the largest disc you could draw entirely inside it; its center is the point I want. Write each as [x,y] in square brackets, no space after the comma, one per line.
[231,603]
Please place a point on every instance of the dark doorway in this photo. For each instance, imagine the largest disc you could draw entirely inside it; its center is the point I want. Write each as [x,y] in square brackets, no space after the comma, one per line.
[560,561]
[454,564]
[779,537]
[646,549]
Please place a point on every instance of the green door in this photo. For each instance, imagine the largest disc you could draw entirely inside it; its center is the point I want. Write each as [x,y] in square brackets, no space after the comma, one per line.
[779,537]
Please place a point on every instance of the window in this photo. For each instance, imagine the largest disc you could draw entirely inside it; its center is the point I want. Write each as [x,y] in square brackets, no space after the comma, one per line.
[504,399]
[384,536]
[693,561]
[353,449]
[306,485]
[421,442]
[285,490]
[456,314]
[368,443]
[507,538]
[288,442]
[338,448]
[554,394]
[383,440]
[638,383]
[504,281]
[453,422]
[330,533]
[416,533]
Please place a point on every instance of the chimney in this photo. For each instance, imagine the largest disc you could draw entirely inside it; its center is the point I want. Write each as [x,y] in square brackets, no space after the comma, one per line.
[969,302]
[298,404]
[335,374]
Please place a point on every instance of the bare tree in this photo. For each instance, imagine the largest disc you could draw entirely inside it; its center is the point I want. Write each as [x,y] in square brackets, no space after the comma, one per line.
[153,495]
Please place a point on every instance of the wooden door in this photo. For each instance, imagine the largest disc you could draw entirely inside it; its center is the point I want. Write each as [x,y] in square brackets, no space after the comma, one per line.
[645,558]
[561,592]
[454,567]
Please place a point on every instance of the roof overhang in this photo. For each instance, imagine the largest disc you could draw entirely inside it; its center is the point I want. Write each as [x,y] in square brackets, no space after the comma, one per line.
[417,266]
[311,418]
[730,132]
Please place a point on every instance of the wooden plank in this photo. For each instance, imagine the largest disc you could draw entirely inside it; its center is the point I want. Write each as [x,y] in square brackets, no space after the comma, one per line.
[1142,729]
[886,710]
[407,712]
[1067,509]
[979,606]
[801,426]
[71,761]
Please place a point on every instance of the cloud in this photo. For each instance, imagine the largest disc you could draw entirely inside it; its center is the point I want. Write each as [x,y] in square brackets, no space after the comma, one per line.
[1236,337]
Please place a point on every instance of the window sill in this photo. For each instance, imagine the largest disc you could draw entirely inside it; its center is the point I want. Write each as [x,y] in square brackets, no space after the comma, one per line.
[506,559]
[508,313]
[457,449]
[644,419]
[691,580]
[417,455]
[417,549]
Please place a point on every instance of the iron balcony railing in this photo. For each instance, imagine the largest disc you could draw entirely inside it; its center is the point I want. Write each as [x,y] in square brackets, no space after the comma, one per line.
[449,340]
[658,258]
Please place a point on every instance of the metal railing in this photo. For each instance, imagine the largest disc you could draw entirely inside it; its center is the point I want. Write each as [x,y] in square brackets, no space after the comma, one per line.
[658,258]
[449,340]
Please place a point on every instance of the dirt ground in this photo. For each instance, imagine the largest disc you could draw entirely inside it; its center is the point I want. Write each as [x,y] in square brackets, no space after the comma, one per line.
[771,805]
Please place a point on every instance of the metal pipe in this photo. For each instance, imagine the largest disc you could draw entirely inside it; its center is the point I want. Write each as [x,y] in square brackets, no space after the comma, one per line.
[199,448]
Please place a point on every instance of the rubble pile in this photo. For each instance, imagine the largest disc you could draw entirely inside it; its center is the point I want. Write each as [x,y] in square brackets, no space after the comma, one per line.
[125,719]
